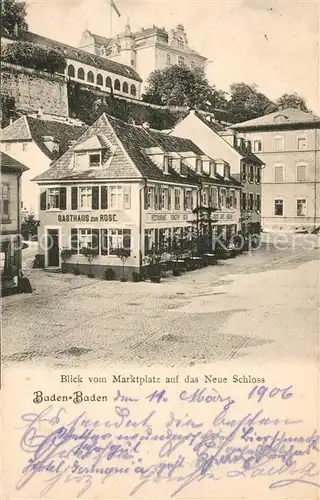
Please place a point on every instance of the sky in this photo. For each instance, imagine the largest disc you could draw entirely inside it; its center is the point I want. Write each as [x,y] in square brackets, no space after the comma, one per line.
[272,43]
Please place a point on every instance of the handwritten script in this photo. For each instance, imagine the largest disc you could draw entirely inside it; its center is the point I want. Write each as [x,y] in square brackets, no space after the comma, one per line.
[165,444]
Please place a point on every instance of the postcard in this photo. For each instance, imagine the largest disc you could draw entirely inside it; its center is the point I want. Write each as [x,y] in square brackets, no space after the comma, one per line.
[160,212]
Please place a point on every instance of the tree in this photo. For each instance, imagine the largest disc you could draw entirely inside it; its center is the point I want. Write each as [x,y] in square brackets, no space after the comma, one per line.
[291,101]
[29,227]
[246,102]
[13,15]
[181,86]
[123,254]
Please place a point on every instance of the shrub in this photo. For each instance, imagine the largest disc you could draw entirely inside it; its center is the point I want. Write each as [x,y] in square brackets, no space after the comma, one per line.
[31,55]
[109,274]
[135,277]
[38,261]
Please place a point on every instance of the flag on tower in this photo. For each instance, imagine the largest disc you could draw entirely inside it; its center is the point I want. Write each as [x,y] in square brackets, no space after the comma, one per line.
[113,5]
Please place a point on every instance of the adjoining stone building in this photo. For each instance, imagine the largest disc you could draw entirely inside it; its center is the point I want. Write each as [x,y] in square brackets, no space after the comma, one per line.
[217,140]
[288,142]
[145,50]
[123,185]
[36,141]
[10,252]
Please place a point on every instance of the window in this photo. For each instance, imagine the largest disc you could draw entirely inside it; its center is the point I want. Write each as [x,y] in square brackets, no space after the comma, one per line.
[243,201]
[223,198]
[80,74]
[164,198]
[251,205]
[90,77]
[279,173]
[177,199]
[232,198]
[150,197]
[302,143]
[301,173]
[278,208]
[8,148]
[148,240]
[125,88]
[126,197]
[251,173]
[108,82]
[85,238]
[99,79]
[188,199]
[192,65]
[168,59]
[244,172]
[85,196]
[257,145]
[301,208]
[226,171]
[258,175]
[53,199]
[204,197]
[180,43]
[180,61]
[25,146]
[95,159]
[133,90]
[119,238]
[71,71]
[5,198]
[279,143]
[117,85]
[258,202]
[115,196]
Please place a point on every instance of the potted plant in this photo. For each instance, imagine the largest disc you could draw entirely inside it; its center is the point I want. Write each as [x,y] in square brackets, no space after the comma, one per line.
[153,260]
[123,254]
[89,253]
[65,254]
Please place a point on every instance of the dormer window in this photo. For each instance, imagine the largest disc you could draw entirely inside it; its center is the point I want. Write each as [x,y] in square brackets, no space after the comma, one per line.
[199,166]
[184,169]
[180,43]
[167,163]
[213,169]
[227,171]
[95,160]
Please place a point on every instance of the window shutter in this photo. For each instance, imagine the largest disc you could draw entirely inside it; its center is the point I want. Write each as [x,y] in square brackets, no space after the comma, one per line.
[104,197]
[184,194]
[169,198]
[74,198]
[126,197]
[127,239]
[74,240]
[95,198]
[63,198]
[104,241]
[43,200]
[146,197]
[95,239]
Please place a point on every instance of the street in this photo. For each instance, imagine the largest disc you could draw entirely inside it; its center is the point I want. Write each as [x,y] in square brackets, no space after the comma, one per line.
[264,306]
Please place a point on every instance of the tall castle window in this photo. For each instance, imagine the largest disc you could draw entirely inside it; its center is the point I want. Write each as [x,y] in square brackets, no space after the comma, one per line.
[180,61]
[99,79]
[108,82]
[180,43]
[125,88]
[133,90]
[117,85]
[71,71]
[80,74]
[90,77]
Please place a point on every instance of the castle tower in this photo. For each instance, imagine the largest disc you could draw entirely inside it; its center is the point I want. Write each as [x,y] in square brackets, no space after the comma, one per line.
[128,55]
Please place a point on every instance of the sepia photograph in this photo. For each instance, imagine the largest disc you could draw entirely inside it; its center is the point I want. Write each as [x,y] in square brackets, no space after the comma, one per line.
[160,238]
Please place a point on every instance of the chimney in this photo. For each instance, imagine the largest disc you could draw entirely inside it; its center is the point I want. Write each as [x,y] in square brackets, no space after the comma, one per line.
[40,112]
[16,30]
[146,125]
[51,143]
[71,143]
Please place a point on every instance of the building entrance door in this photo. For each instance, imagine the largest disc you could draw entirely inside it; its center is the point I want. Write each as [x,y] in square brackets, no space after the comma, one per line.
[53,259]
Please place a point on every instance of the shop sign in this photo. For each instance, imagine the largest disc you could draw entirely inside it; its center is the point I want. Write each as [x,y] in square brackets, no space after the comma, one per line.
[224,216]
[87,218]
[167,217]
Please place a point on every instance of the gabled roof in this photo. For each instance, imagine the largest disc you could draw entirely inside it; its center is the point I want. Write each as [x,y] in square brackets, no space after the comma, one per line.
[130,158]
[30,128]
[80,55]
[280,118]
[215,126]
[9,163]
